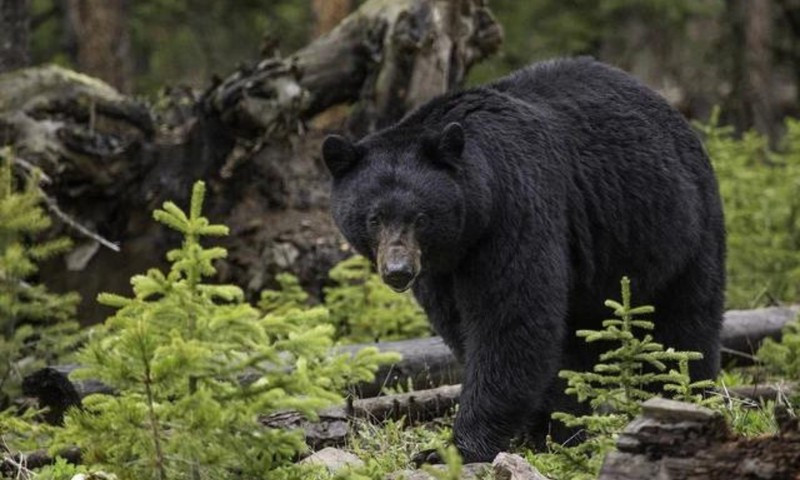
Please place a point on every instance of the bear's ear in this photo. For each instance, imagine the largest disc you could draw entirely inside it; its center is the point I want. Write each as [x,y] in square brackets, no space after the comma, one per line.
[452,140]
[450,145]
[340,154]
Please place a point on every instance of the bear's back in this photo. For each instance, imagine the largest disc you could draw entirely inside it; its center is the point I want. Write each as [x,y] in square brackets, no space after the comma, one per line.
[640,180]
[580,82]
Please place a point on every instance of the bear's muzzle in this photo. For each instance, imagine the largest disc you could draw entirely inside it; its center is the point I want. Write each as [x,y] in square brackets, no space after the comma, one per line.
[398,258]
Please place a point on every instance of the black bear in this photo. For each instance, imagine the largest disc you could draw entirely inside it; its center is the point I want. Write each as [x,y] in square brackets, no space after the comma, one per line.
[514,208]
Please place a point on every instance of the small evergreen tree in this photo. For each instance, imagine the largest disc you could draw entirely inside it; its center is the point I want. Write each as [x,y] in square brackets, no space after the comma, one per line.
[782,357]
[289,296]
[622,378]
[37,325]
[177,352]
[364,309]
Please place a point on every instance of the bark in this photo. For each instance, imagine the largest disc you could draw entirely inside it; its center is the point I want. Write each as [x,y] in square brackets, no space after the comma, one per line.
[737,107]
[14,33]
[103,40]
[426,363]
[789,13]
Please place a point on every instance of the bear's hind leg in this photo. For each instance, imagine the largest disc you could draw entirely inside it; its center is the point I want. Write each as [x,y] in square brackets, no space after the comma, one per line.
[689,312]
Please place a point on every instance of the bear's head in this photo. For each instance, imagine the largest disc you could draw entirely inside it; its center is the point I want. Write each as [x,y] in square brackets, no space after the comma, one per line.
[399,198]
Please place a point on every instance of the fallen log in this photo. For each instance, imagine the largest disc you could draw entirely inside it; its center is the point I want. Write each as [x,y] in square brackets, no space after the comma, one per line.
[744,330]
[426,362]
[763,391]
[334,424]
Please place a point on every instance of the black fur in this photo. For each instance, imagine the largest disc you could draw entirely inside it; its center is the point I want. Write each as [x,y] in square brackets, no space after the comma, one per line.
[570,174]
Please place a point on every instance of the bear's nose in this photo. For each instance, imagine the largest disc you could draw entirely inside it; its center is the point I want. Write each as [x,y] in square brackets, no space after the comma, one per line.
[398,275]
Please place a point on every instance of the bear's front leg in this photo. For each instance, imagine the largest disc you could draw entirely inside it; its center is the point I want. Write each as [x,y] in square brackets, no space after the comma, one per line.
[435,294]
[513,341]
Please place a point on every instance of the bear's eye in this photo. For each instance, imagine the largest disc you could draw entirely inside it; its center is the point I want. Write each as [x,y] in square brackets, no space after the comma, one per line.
[374,221]
[422,220]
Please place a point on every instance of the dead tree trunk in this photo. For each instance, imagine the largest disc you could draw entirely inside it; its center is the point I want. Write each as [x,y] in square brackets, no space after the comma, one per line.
[14,30]
[387,57]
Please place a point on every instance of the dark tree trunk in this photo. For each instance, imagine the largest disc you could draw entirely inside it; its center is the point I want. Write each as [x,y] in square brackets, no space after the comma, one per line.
[751,101]
[103,40]
[14,31]
[758,58]
[737,106]
[790,16]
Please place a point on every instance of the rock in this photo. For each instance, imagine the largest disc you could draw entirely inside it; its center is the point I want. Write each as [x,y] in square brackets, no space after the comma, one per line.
[410,475]
[333,459]
[509,466]
[673,411]
[671,428]
[471,471]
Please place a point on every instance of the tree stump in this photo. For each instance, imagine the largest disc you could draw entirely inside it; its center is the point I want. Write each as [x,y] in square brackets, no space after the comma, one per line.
[679,441]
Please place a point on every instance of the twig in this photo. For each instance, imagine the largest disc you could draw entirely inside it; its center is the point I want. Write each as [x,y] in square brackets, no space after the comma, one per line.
[31,168]
[19,467]
[52,205]
[737,354]
[54,208]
